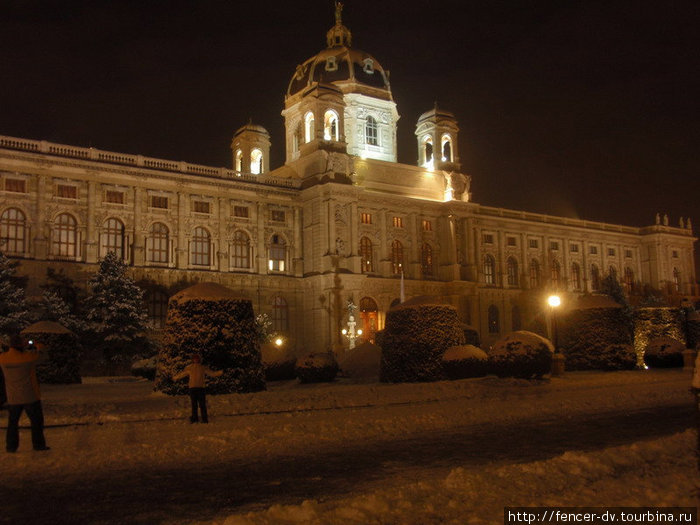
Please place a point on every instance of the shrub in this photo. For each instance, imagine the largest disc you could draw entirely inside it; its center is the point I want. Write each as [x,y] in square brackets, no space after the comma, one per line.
[460,362]
[62,365]
[651,323]
[210,320]
[278,363]
[616,356]
[664,352]
[363,361]
[471,336]
[317,368]
[416,335]
[144,368]
[521,354]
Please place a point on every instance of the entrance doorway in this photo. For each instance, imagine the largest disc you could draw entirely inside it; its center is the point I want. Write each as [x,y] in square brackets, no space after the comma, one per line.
[368,318]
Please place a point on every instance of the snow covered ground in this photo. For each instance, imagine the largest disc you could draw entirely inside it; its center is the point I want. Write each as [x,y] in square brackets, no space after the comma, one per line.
[109,427]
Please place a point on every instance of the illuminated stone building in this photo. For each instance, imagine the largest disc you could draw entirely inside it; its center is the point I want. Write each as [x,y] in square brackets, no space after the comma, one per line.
[341,220]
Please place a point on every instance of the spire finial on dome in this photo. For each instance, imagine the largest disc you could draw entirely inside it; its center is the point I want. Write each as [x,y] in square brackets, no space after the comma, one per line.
[338,12]
[339,35]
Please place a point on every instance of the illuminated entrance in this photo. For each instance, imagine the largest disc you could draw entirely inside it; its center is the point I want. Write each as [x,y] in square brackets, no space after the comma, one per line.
[368,318]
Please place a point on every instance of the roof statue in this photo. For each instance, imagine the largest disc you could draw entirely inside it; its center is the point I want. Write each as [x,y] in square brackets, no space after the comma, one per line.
[338,12]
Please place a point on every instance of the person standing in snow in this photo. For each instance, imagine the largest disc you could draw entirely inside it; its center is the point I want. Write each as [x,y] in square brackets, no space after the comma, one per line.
[22,387]
[196,372]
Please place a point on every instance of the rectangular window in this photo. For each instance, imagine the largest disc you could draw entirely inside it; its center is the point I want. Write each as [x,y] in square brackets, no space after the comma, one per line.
[277,216]
[628,254]
[488,238]
[675,254]
[366,218]
[534,243]
[511,241]
[611,252]
[201,207]
[16,185]
[398,222]
[158,201]
[115,197]
[573,248]
[240,211]
[427,226]
[593,250]
[66,191]
[554,245]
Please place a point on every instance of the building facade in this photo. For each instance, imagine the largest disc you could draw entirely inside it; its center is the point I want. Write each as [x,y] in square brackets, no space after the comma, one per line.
[341,221]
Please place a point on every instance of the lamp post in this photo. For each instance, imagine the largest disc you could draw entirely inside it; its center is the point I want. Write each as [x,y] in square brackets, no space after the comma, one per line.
[350,332]
[554,301]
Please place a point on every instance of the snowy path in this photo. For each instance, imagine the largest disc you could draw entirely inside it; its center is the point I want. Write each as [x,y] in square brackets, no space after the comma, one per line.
[160,470]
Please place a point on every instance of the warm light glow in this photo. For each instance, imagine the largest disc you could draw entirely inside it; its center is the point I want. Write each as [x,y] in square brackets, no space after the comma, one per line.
[359,332]
[344,331]
[553,301]
[279,341]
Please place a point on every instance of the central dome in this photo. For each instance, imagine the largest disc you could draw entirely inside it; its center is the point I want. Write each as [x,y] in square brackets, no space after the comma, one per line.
[349,69]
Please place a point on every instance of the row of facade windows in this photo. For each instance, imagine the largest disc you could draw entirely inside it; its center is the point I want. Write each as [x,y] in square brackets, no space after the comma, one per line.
[306,133]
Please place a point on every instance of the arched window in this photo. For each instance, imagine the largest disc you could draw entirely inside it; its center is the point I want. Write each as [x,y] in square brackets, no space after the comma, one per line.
[676,280]
[494,322]
[297,138]
[516,319]
[428,151]
[629,280]
[280,314]
[595,278]
[309,127]
[278,254]
[446,148]
[371,132]
[576,276]
[366,255]
[200,247]
[238,161]
[426,259]
[556,274]
[489,270]
[240,250]
[368,318]
[13,225]
[612,271]
[64,236]
[534,274]
[157,305]
[397,257]
[512,271]
[113,238]
[330,125]
[256,161]
[158,243]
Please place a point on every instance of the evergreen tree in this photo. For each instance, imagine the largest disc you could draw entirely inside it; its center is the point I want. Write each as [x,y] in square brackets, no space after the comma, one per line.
[14,312]
[609,285]
[115,312]
[54,308]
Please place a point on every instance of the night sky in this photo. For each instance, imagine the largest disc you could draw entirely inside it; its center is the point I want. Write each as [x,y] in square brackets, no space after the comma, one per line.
[582,109]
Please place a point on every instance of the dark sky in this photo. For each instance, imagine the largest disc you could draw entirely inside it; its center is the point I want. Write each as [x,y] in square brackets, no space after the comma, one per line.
[585,109]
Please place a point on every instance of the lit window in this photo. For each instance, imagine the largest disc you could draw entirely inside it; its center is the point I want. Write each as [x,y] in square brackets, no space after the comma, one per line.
[13,231]
[278,254]
[201,207]
[256,162]
[365,255]
[494,322]
[200,247]
[64,236]
[114,197]
[330,125]
[426,260]
[398,222]
[427,226]
[238,161]
[309,127]
[158,243]
[65,191]
[428,152]
[113,238]
[371,135]
[240,211]
[241,250]
[160,202]
[446,148]
[277,216]
[489,270]
[397,257]
[512,271]
[366,218]
[16,185]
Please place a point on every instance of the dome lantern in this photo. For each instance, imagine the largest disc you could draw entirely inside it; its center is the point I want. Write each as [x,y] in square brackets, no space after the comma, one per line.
[339,35]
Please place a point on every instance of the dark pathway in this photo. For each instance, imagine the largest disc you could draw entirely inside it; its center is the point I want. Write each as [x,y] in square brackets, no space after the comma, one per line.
[138,497]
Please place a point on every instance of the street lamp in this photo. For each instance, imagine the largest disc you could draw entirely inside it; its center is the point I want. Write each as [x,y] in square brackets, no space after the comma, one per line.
[554,301]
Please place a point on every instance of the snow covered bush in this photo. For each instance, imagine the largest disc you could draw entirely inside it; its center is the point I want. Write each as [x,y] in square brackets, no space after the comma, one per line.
[145,368]
[317,368]
[210,320]
[14,312]
[460,362]
[616,356]
[592,327]
[63,352]
[653,322]
[362,362]
[277,362]
[416,335]
[521,354]
[664,352]
[471,336]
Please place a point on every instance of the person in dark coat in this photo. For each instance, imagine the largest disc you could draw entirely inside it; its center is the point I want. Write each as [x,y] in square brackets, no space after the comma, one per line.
[22,388]
[197,372]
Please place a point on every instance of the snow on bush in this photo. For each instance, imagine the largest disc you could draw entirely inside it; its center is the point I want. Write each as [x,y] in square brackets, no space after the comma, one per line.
[471,335]
[317,368]
[521,354]
[416,335]
[653,322]
[278,362]
[145,368]
[363,361]
[460,362]
[210,320]
[664,352]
